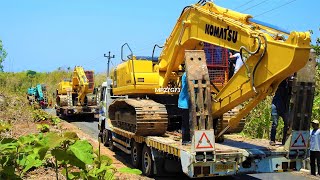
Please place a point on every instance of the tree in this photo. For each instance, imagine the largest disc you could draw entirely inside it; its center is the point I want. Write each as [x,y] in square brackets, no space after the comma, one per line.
[316,46]
[31,74]
[3,55]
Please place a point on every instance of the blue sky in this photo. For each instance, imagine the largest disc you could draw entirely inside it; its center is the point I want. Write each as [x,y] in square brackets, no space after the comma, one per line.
[44,35]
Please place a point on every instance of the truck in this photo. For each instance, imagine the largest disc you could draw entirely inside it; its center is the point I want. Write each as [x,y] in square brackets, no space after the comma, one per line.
[76,96]
[139,114]
[38,96]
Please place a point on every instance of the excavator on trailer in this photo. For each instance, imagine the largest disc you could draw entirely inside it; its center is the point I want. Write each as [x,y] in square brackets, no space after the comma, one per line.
[38,96]
[138,102]
[76,96]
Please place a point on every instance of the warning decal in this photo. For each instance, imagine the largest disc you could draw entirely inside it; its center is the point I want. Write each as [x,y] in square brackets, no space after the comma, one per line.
[203,140]
[299,140]
[204,143]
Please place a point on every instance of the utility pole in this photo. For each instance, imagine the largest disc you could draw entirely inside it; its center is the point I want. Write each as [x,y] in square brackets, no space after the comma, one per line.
[109,57]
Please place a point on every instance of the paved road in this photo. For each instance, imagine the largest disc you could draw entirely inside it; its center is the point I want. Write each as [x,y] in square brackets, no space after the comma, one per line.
[90,127]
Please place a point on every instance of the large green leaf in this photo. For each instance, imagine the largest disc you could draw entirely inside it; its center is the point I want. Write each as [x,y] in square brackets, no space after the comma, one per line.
[52,140]
[59,154]
[23,140]
[83,151]
[9,147]
[41,151]
[30,161]
[71,135]
[67,157]
[130,171]
[7,140]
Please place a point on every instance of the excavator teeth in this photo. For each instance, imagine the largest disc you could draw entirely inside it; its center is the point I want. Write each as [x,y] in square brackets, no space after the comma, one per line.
[142,117]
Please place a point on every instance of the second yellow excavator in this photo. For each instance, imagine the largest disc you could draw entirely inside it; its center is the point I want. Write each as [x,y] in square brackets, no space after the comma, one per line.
[76,96]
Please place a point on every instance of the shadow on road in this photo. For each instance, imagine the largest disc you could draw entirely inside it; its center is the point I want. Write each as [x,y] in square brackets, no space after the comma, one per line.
[80,118]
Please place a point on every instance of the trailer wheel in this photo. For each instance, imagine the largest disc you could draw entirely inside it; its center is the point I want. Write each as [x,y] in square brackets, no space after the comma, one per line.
[147,162]
[57,113]
[105,138]
[220,139]
[111,146]
[136,154]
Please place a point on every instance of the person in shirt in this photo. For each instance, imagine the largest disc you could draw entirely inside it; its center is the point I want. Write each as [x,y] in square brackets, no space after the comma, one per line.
[183,104]
[280,108]
[315,147]
[239,61]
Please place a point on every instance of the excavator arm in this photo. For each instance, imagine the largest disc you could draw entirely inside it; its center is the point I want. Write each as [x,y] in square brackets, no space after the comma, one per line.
[80,84]
[273,54]
[40,92]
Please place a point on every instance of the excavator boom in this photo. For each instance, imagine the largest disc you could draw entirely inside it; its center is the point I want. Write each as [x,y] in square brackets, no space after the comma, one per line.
[80,84]
[271,59]
[272,55]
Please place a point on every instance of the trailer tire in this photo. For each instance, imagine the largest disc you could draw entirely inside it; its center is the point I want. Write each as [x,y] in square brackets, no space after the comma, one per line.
[111,146]
[136,154]
[147,162]
[57,113]
[105,138]
[220,139]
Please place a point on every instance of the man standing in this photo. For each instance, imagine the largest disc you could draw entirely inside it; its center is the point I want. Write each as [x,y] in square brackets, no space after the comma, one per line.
[183,104]
[315,147]
[239,61]
[280,108]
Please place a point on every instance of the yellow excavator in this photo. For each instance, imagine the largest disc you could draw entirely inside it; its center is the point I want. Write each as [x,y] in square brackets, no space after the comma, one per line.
[139,101]
[76,96]
[274,54]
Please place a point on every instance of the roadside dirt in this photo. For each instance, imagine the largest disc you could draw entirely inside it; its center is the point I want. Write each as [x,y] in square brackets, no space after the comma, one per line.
[118,161]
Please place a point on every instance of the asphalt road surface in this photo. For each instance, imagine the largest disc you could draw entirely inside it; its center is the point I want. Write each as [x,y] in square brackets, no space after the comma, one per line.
[90,127]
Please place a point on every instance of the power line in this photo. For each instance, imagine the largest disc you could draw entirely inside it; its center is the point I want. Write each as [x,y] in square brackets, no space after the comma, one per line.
[109,57]
[275,8]
[255,5]
[243,4]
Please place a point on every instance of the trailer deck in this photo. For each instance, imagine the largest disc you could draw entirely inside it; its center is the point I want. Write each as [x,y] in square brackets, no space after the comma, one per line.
[171,143]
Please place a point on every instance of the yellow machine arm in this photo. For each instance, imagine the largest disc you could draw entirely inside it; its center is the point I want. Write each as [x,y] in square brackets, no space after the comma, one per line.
[272,57]
[80,84]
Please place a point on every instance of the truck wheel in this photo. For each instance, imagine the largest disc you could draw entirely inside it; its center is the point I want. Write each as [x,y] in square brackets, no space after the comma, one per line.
[57,113]
[220,139]
[136,154]
[147,162]
[111,146]
[105,138]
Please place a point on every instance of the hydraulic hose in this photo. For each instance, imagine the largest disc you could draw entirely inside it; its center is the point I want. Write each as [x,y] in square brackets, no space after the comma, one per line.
[256,66]
[154,47]
[253,53]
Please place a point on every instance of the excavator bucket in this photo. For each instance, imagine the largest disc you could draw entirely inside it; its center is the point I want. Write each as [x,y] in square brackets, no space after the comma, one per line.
[199,90]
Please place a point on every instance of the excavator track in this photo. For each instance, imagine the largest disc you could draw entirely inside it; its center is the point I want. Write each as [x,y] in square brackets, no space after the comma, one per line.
[224,121]
[142,117]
